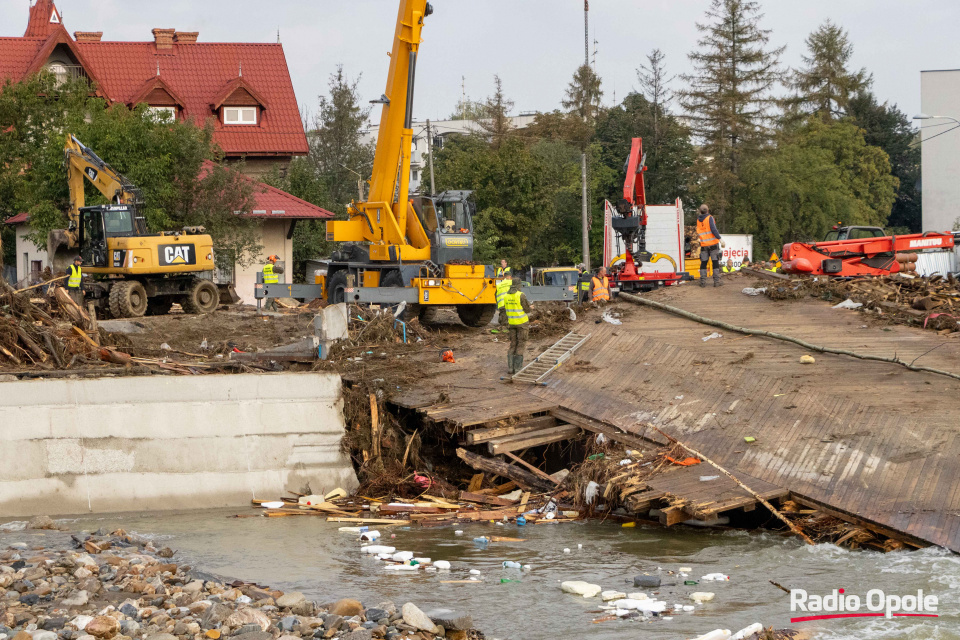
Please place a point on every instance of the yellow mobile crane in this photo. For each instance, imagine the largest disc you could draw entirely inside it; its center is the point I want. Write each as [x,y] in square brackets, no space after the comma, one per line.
[401,248]
[141,273]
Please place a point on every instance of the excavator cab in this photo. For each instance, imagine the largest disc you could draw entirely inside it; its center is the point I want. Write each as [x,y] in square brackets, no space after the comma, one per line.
[102,222]
[447,219]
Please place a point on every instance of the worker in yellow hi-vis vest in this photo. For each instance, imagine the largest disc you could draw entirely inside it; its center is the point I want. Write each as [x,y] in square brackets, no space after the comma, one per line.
[75,281]
[517,309]
[271,275]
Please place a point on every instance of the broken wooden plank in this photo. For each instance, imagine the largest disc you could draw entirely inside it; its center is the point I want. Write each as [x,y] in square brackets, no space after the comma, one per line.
[525,479]
[610,431]
[475,483]
[532,468]
[479,436]
[367,520]
[466,496]
[533,439]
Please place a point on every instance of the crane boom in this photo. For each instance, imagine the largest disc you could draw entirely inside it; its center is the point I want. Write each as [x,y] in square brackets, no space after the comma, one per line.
[387,219]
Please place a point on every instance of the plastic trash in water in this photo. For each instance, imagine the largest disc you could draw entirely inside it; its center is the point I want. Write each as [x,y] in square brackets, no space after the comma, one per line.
[715,577]
[458,532]
[746,632]
[528,567]
[278,504]
[688,608]
[566,550]
[510,564]
[369,536]
[521,520]
[579,546]
[590,493]
[550,516]
[502,580]
[701,596]
[481,542]
[716,634]
[376,549]
[712,336]
[403,556]
[474,572]
[441,564]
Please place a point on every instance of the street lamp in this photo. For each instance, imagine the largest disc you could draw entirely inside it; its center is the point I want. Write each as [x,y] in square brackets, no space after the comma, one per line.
[924,116]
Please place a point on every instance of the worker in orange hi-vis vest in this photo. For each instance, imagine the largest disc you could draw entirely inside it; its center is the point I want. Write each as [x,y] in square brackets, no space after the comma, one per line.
[710,246]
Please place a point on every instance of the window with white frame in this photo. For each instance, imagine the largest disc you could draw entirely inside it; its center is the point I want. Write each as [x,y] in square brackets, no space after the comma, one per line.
[163,113]
[240,115]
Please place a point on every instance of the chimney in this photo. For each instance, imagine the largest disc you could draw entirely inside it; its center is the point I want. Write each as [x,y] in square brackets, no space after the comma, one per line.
[186,36]
[87,36]
[163,38]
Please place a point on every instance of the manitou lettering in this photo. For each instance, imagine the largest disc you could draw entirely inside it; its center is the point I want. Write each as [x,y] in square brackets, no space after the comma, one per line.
[926,242]
[177,254]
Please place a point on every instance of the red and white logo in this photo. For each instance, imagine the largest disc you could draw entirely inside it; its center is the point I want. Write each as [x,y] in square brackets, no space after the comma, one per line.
[876,604]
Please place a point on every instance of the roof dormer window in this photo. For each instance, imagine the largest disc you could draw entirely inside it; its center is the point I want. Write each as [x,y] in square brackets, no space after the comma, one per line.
[163,113]
[240,115]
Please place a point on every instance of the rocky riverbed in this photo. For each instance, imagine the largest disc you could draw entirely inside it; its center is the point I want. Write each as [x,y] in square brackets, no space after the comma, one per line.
[119,586]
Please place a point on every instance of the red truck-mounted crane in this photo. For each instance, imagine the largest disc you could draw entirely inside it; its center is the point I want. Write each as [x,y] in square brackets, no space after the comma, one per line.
[861,256]
[631,227]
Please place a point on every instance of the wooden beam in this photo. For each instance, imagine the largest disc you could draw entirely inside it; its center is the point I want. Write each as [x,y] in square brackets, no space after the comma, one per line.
[475,483]
[532,468]
[524,479]
[598,426]
[466,496]
[533,439]
[478,436]
[673,515]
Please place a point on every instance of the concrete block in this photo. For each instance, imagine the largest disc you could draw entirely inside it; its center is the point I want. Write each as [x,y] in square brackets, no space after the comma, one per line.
[331,322]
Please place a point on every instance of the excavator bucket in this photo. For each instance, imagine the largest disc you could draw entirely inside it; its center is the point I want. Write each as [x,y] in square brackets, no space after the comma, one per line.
[62,249]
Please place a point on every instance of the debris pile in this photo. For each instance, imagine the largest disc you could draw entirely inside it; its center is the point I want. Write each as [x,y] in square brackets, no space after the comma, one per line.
[119,586]
[46,333]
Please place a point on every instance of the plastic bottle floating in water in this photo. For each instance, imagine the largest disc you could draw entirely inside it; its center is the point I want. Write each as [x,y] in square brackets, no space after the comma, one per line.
[521,521]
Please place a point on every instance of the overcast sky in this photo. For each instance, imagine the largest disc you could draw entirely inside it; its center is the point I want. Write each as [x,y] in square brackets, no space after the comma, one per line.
[534,45]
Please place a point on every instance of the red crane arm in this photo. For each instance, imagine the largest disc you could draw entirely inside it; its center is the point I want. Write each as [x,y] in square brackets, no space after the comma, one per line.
[634,190]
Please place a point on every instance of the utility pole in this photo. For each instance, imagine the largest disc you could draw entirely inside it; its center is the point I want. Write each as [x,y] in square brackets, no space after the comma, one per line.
[433,188]
[583,158]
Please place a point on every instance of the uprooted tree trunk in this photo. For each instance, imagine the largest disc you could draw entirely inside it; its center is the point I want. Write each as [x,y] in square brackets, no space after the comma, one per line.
[524,479]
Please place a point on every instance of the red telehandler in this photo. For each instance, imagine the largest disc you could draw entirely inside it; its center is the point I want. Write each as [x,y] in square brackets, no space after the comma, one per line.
[861,256]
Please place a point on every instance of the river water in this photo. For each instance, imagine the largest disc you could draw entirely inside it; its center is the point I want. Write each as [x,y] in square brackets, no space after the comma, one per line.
[308,554]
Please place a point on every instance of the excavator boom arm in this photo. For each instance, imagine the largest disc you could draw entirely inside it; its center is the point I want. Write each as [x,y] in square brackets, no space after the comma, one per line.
[82,163]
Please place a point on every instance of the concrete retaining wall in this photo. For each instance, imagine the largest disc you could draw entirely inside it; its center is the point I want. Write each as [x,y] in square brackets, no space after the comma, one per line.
[122,444]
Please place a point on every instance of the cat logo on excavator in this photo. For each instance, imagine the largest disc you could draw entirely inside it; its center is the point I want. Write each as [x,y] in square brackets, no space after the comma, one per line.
[172,254]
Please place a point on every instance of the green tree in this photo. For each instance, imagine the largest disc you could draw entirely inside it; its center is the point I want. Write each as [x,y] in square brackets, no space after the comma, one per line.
[730,97]
[582,100]
[509,191]
[887,127]
[654,85]
[338,152]
[670,157]
[825,84]
[819,173]
[166,159]
[495,115]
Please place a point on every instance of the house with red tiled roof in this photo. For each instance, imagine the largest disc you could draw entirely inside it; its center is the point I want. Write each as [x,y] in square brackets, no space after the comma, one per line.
[243,89]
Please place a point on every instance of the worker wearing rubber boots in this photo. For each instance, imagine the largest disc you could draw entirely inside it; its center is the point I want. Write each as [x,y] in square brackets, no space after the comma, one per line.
[710,244]
[517,309]
[600,286]
[74,279]
[271,275]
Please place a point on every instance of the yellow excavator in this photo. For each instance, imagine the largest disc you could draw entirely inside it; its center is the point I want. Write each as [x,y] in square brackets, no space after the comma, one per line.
[138,273]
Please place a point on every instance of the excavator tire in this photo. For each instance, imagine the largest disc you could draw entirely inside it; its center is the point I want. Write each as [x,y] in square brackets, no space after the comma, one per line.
[336,286]
[203,297]
[159,306]
[476,315]
[393,278]
[128,300]
[429,314]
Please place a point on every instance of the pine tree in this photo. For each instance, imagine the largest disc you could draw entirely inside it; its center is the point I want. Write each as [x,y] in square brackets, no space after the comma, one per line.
[495,115]
[654,83]
[825,85]
[730,99]
[336,146]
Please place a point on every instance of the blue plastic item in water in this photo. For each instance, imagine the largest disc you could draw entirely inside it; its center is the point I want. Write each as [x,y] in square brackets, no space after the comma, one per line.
[521,521]
[510,564]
